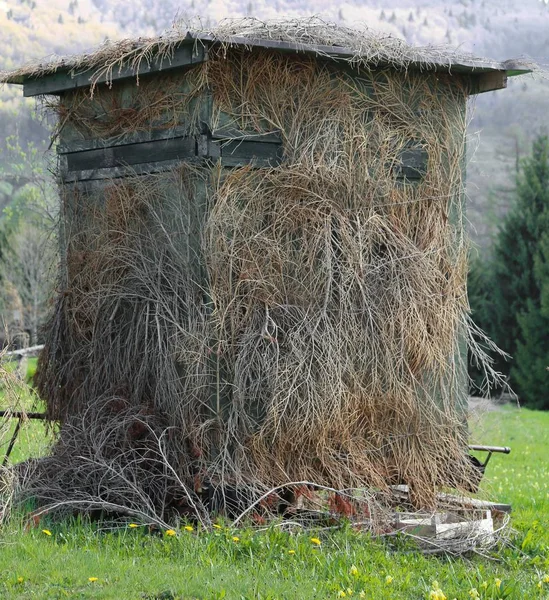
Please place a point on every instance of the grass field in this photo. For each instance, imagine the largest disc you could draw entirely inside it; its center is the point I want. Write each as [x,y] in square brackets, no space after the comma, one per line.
[79,560]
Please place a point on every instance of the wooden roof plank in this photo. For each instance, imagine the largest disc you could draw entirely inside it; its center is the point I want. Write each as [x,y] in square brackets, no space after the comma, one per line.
[185,55]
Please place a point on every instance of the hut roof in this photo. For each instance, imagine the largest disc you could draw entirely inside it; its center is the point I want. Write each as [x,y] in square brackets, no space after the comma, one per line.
[181,46]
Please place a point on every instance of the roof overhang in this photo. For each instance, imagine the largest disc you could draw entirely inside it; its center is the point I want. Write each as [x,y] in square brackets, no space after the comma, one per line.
[192,49]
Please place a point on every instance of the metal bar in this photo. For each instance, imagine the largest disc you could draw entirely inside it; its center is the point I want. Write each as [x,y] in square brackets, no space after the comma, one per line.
[12,442]
[487,460]
[502,449]
[32,350]
[9,414]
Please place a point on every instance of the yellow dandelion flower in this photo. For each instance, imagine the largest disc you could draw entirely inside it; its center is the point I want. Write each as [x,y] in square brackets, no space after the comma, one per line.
[316,541]
[349,592]
[546,579]
[388,580]
[353,571]
[291,551]
[436,593]
[20,580]
[484,585]
[46,531]
[92,579]
[235,538]
[498,583]
[133,525]
[170,532]
[188,528]
[216,526]
[341,594]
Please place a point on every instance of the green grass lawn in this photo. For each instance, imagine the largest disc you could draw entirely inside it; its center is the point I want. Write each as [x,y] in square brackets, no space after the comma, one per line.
[81,561]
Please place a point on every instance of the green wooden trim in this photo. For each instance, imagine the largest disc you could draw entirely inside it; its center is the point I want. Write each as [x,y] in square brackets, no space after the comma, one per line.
[132,154]
[198,40]
[184,56]
[122,140]
[449,64]
[488,82]
[96,160]
[157,155]
[221,135]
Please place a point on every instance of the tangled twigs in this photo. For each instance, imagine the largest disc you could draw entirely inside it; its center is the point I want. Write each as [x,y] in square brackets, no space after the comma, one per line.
[221,332]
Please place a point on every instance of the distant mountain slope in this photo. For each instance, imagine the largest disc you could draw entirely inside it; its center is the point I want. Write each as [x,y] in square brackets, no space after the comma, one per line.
[496,28]
[499,28]
[30,30]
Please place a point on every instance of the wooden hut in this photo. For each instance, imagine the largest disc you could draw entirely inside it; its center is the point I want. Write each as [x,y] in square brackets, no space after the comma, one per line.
[263,265]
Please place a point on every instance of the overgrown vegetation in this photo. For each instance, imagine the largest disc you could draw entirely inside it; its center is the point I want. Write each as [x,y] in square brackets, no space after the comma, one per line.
[275,564]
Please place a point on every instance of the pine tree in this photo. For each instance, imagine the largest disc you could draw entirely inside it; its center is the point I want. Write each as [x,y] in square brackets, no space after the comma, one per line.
[530,375]
[531,371]
[519,321]
[511,285]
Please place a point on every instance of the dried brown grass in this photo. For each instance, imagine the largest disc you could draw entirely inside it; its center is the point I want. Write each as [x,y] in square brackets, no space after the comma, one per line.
[250,327]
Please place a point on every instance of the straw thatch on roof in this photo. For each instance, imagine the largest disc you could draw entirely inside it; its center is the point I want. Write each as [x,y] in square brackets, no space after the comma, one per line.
[362,47]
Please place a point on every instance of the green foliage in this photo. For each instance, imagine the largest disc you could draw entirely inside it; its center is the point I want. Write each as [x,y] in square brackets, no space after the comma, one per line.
[531,372]
[509,295]
[512,283]
[532,369]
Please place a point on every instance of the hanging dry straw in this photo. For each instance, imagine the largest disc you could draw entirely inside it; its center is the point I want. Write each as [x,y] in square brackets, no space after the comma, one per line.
[236,330]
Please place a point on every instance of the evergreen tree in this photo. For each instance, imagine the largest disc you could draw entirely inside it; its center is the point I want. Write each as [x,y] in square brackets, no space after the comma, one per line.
[511,283]
[531,371]
[519,319]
